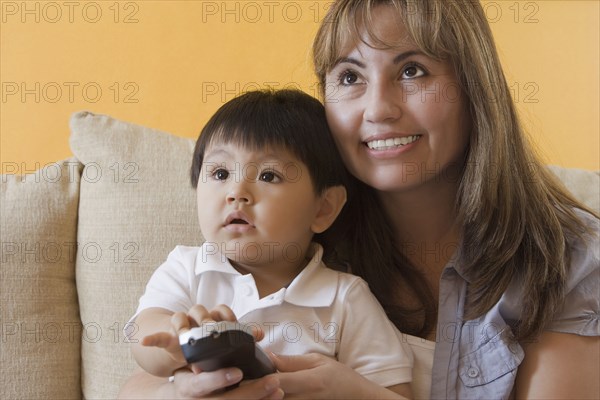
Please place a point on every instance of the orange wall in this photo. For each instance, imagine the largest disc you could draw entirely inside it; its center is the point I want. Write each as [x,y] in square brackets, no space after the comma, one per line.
[171,64]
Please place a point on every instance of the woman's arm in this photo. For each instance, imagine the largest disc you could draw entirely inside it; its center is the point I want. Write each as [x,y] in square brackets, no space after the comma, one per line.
[560,366]
[318,377]
[188,385]
[142,385]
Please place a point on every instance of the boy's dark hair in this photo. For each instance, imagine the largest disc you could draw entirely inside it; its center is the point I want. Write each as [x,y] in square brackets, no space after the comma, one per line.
[286,119]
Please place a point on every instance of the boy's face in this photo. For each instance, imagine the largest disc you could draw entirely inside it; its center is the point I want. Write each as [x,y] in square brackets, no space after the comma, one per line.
[258,207]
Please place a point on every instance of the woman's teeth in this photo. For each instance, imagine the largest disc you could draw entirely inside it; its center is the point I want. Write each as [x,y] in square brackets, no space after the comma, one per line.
[391,143]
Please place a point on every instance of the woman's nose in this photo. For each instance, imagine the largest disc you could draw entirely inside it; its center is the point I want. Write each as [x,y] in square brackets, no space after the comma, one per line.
[383,103]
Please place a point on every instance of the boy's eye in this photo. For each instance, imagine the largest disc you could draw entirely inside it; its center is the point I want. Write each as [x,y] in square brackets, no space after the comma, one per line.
[221,174]
[268,177]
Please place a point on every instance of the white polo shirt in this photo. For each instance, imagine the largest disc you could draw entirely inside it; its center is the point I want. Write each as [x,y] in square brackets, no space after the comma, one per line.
[321,311]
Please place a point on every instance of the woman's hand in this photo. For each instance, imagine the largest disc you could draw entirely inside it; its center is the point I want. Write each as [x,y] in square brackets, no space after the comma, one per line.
[187,385]
[316,376]
[210,385]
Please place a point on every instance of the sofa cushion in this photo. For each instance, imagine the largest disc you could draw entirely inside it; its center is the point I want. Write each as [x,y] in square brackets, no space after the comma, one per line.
[136,204]
[39,319]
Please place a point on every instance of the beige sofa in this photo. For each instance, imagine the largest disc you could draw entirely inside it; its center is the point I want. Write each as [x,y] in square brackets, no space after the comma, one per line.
[79,240]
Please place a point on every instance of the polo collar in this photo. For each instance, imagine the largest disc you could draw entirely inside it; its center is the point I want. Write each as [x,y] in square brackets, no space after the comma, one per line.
[210,258]
[315,286]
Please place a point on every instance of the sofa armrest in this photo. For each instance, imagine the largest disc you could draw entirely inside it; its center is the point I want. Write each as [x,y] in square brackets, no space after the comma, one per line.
[40,347]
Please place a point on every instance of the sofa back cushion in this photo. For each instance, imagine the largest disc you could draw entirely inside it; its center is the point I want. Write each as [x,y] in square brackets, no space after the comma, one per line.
[39,317]
[136,204]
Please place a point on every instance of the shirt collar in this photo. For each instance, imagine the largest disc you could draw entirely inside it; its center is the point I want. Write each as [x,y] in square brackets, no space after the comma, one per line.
[454,263]
[315,286]
[210,258]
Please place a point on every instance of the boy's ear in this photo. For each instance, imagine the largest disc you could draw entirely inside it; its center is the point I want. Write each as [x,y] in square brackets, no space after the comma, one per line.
[331,203]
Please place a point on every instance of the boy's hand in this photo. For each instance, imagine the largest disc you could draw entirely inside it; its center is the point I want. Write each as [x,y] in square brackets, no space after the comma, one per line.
[199,315]
[182,322]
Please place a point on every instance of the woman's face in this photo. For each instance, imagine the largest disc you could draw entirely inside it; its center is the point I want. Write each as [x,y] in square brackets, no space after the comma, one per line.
[397,115]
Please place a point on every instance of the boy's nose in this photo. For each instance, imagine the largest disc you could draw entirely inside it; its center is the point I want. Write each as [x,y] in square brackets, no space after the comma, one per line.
[239,195]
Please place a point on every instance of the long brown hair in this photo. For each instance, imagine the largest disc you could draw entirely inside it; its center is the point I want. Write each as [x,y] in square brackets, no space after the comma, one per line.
[515,216]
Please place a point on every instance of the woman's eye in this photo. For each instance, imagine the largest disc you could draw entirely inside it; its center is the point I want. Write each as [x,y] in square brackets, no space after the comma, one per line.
[221,174]
[348,78]
[268,177]
[412,71]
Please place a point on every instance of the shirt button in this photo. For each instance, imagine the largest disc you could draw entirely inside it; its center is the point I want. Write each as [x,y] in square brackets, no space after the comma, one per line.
[473,372]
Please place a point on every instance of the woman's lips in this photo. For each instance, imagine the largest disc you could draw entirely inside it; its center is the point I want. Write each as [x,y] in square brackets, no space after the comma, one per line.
[392,142]
[390,146]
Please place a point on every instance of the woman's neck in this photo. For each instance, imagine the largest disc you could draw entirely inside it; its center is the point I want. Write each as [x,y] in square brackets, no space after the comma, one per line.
[425,223]
[428,232]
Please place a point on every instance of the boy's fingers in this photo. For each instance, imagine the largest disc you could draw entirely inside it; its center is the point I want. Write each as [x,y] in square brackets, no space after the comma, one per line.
[222,313]
[257,332]
[160,339]
[180,322]
[198,314]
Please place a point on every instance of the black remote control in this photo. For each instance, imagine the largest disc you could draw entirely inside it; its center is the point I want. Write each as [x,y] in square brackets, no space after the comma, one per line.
[225,344]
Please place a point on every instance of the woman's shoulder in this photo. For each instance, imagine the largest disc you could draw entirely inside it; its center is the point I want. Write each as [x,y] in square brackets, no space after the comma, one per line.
[580,309]
[588,221]
[584,248]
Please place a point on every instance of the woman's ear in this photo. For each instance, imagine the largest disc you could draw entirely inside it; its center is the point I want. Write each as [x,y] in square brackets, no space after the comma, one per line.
[331,203]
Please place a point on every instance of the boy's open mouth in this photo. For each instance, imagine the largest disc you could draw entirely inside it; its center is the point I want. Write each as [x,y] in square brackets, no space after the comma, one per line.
[238,218]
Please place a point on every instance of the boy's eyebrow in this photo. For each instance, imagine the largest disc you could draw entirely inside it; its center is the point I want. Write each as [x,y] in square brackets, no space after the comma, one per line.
[397,60]
[272,156]
[216,152]
[219,152]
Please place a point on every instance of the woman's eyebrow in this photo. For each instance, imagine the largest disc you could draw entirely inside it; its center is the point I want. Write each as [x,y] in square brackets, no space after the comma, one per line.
[403,56]
[397,60]
[348,60]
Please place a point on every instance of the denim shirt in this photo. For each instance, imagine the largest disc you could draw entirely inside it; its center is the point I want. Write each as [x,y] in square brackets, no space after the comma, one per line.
[478,359]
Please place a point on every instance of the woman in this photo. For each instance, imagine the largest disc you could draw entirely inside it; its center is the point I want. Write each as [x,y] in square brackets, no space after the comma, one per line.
[467,241]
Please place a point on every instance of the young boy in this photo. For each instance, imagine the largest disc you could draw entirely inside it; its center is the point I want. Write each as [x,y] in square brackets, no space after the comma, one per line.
[270,184]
